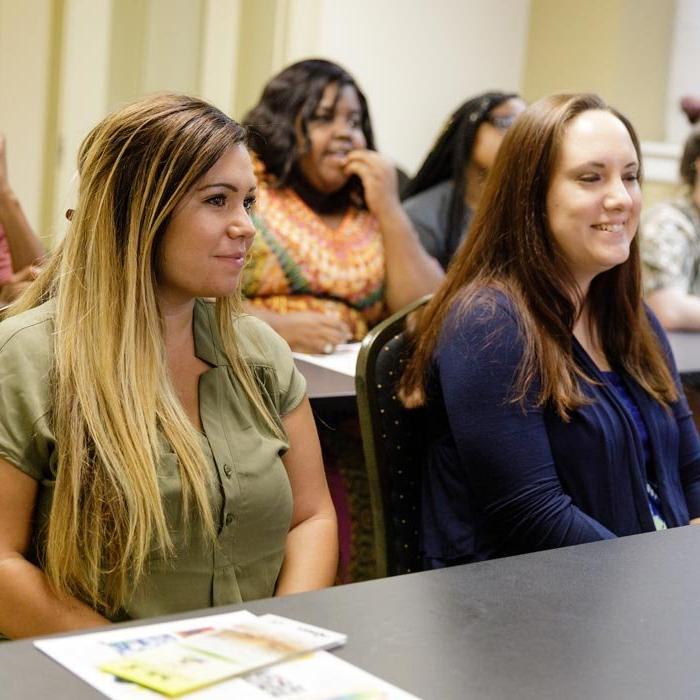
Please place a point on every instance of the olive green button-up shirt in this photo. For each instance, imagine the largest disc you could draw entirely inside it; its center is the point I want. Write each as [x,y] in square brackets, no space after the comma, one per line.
[249,491]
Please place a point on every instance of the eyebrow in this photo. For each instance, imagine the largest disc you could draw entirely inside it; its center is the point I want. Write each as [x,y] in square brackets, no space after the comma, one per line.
[596,164]
[227,185]
[331,108]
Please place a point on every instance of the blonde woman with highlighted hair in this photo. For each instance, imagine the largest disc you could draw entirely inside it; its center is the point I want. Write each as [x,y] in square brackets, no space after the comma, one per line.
[157,451]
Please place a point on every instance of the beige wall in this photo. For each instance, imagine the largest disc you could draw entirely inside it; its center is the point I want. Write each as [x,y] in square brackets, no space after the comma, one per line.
[655,192]
[416,61]
[128,37]
[82,98]
[173,46]
[115,51]
[65,63]
[220,34]
[683,76]
[260,22]
[618,48]
[621,49]
[26,58]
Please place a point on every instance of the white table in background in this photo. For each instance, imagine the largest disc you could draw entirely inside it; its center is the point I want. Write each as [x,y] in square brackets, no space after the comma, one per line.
[686,350]
[329,376]
[333,375]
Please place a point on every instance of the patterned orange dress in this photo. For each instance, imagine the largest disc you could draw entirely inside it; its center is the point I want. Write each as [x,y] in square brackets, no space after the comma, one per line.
[298,263]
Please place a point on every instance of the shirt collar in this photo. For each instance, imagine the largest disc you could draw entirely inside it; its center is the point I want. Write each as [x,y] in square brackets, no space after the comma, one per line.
[206,334]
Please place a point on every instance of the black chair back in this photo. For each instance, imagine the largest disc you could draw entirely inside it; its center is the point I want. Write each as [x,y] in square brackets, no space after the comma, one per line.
[391,438]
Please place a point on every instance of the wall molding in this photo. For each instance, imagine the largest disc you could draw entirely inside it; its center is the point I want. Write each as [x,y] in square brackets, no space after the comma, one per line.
[661,160]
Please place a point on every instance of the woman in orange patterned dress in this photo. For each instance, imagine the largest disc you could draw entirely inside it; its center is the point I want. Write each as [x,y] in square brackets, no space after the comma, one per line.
[334,254]
[335,251]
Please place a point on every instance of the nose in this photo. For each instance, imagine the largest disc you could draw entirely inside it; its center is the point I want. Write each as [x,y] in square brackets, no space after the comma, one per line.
[341,127]
[618,196]
[241,227]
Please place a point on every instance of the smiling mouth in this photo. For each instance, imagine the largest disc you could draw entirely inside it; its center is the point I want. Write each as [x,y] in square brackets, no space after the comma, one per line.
[236,257]
[611,228]
[343,153]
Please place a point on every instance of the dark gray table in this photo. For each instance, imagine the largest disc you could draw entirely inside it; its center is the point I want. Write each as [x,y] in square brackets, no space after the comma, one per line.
[616,619]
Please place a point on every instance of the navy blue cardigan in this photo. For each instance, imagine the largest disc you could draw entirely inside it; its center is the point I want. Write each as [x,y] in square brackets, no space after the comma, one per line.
[499,480]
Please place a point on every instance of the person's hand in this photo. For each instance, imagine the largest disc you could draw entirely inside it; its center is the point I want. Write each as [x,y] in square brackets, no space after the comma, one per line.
[17,284]
[379,180]
[312,332]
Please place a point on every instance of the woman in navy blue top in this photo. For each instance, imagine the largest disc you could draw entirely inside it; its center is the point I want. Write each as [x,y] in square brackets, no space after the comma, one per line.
[555,411]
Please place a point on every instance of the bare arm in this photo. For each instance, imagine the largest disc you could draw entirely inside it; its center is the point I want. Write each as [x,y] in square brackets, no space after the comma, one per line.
[311,555]
[16,284]
[410,271]
[28,605]
[304,331]
[675,309]
[25,247]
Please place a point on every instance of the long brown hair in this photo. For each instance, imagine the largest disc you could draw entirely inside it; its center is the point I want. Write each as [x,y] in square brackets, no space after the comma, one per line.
[510,249]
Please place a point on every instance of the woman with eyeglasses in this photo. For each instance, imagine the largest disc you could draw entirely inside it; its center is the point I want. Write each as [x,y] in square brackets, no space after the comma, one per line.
[442,197]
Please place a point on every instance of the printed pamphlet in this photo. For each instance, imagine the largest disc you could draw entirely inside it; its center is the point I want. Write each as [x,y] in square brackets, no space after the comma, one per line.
[216,657]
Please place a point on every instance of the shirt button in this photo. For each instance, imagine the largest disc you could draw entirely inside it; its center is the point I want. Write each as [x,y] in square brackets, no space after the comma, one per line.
[229,518]
[227,470]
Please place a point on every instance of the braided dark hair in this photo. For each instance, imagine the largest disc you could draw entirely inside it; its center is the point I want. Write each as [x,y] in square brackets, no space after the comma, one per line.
[451,152]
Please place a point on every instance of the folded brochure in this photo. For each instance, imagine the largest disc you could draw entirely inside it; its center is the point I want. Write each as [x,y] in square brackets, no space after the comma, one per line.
[212,655]
[318,675]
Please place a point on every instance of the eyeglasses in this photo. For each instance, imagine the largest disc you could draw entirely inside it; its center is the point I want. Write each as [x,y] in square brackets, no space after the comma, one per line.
[501,121]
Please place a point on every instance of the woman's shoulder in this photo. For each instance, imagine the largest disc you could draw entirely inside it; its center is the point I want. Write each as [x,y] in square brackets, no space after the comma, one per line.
[482,343]
[485,320]
[434,198]
[28,333]
[485,305]
[679,213]
[26,351]
[26,358]
[260,347]
[437,192]
[259,343]
[266,351]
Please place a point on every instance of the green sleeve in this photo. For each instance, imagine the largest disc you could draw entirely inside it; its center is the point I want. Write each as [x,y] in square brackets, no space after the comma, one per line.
[268,348]
[26,440]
